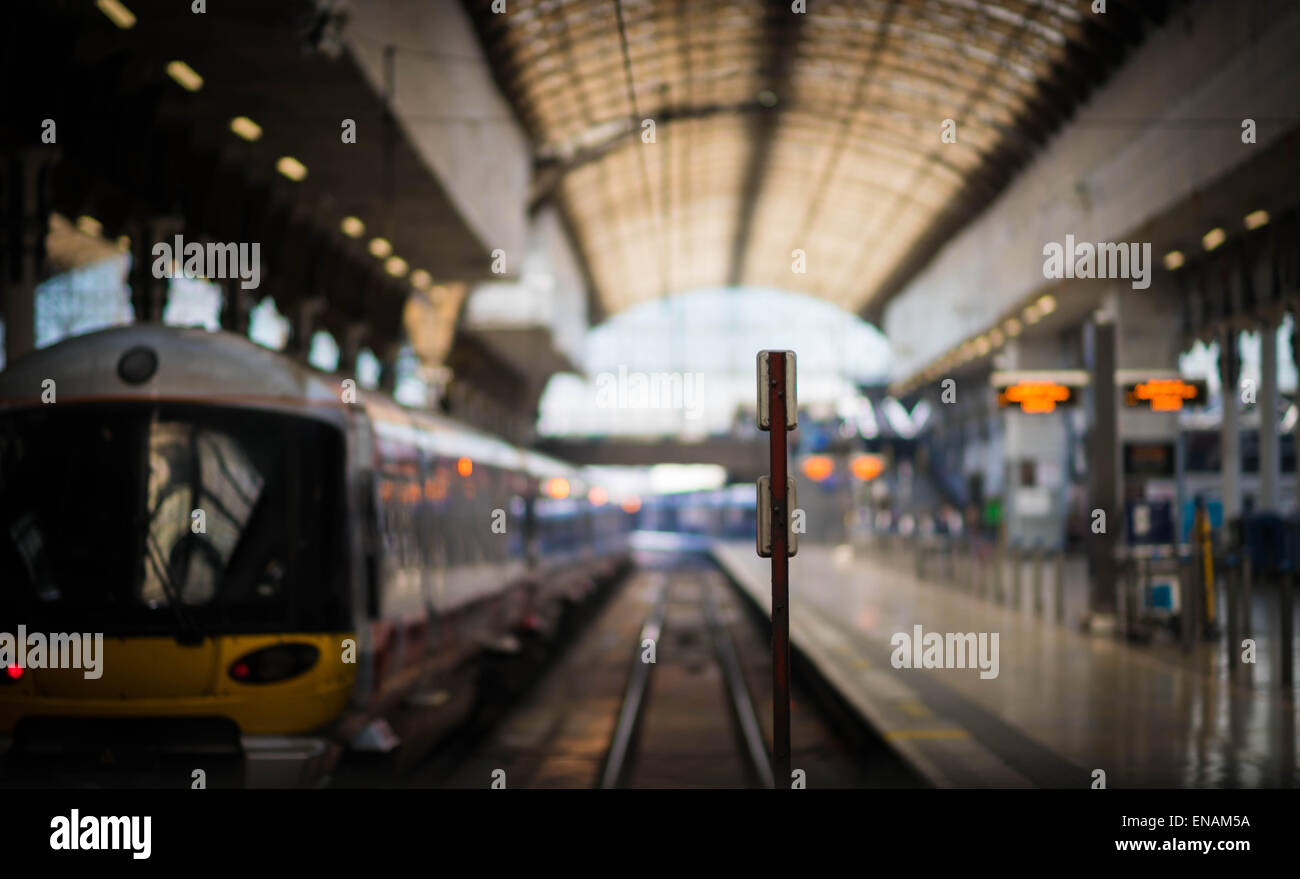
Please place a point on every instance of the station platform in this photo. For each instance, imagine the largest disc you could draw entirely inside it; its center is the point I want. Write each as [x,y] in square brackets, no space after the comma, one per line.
[1062,705]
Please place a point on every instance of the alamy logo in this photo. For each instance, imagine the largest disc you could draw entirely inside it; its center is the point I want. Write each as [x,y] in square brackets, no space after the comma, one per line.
[36,650]
[656,390]
[216,260]
[90,833]
[950,650]
[1101,260]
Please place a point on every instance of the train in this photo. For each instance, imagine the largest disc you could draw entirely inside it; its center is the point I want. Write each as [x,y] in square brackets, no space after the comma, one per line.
[724,513]
[280,563]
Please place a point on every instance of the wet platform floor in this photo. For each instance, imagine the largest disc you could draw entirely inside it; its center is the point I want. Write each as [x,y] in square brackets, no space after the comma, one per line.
[1063,704]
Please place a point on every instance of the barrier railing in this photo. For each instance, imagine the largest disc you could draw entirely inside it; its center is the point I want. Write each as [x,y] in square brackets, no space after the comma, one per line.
[1211,591]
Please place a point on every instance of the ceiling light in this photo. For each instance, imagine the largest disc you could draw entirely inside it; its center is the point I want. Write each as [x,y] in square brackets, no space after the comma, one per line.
[420,279]
[185,76]
[395,266]
[353,227]
[1047,304]
[246,128]
[117,13]
[1255,219]
[291,168]
[380,248]
[1012,326]
[1214,238]
[1032,315]
[1174,260]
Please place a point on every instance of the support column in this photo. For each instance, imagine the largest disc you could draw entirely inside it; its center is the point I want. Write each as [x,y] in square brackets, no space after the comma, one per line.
[1229,428]
[1103,460]
[350,345]
[235,307]
[388,367]
[1031,458]
[302,326]
[149,290]
[27,176]
[1270,449]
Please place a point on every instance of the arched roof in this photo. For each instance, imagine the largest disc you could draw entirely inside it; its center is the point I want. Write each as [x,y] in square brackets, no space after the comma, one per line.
[777,131]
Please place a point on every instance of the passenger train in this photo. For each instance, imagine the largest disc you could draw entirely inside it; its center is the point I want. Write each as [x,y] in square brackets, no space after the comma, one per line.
[279,562]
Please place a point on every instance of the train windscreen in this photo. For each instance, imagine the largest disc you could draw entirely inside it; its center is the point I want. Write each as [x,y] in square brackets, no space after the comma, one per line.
[168,519]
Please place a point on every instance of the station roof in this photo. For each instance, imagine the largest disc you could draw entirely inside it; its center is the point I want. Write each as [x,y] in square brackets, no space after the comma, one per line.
[777,131]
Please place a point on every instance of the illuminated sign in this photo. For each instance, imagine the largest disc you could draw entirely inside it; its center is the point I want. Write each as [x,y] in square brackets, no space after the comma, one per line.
[1036,396]
[1165,394]
[818,468]
[867,467]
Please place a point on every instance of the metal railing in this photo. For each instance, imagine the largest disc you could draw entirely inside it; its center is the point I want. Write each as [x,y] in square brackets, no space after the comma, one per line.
[1218,598]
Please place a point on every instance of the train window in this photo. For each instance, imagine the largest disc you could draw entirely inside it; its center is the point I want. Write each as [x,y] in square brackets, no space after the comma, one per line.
[202,488]
[112,516]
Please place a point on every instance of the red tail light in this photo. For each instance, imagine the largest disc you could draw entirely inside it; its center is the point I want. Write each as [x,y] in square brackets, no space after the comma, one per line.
[273,664]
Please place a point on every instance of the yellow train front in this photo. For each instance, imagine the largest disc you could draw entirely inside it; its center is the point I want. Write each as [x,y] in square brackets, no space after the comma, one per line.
[276,566]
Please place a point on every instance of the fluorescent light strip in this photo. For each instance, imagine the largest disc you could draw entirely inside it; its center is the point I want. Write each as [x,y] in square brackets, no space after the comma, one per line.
[117,13]
[291,168]
[246,128]
[185,76]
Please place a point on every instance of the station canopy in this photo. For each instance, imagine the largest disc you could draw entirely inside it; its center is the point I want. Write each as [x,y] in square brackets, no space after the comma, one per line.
[776,131]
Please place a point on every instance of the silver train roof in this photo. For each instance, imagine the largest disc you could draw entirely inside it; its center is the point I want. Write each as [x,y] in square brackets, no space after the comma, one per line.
[191,364]
[224,368]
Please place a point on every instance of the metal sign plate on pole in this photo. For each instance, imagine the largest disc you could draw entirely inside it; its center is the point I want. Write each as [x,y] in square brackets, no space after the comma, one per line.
[778,413]
[765,517]
[791,406]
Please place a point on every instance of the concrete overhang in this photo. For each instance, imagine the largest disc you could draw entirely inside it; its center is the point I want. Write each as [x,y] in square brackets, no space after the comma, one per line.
[1153,157]
[443,178]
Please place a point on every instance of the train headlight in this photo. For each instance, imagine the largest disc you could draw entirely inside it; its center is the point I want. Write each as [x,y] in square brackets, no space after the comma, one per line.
[273,664]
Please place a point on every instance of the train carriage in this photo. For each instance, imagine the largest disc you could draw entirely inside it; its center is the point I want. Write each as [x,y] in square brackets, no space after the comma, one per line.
[277,561]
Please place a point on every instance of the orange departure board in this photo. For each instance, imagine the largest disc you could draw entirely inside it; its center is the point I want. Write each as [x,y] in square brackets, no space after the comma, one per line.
[1165,394]
[1036,396]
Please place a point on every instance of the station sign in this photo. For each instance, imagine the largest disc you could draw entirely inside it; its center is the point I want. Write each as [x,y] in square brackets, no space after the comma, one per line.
[1039,391]
[1165,394]
[1037,396]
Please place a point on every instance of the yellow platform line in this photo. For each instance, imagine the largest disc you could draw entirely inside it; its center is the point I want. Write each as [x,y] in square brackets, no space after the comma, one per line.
[949,733]
[912,708]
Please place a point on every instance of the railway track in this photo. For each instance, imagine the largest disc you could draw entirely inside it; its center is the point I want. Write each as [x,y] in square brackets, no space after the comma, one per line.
[685,636]
[698,716]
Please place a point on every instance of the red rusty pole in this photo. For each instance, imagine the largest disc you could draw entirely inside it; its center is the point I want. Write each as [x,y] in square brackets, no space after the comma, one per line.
[777,425]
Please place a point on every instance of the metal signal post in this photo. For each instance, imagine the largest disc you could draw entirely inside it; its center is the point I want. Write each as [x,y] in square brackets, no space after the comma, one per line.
[777,414]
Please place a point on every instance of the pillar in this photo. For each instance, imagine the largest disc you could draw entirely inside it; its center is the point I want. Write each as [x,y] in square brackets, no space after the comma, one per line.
[1103,460]
[387,355]
[350,344]
[149,290]
[1229,426]
[303,317]
[1270,449]
[1033,446]
[236,305]
[27,176]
